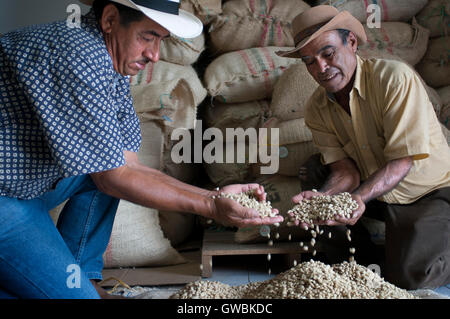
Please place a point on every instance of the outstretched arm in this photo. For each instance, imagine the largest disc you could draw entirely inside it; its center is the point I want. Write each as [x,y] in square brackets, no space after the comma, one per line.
[148,187]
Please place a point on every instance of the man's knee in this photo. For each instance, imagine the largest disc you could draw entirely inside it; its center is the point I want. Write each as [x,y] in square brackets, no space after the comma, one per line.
[417,252]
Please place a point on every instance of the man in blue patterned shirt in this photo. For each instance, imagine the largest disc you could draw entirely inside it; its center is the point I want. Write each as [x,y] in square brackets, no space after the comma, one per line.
[68,130]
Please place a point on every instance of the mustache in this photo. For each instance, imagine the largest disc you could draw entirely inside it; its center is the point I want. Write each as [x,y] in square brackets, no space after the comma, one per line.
[329,73]
[143,61]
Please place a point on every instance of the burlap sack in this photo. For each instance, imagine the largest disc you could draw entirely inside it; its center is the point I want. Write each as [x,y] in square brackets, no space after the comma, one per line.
[435,16]
[435,65]
[295,146]
[231,172]
[254,23]
[293,156]
[280,190]
[205,10]
[291,131]
[291,92]
[176,226]
[185,172]
[444,115]
[137,238]
[244,115]
[245,75]
[407,41]
[168,94]
[182,51]
[390,10]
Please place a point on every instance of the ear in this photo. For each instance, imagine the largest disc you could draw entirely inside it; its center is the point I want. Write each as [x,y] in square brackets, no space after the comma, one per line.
[110,18]
[352,40]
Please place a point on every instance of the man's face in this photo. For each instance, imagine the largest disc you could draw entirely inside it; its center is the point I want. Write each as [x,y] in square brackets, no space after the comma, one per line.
[133,46]
[330,62]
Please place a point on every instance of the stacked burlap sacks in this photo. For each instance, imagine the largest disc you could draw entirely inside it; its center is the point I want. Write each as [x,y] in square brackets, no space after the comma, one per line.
[205,10]
[435,65]
[390,10]
[166,96]
[247,24]
[241,85]
[434,68]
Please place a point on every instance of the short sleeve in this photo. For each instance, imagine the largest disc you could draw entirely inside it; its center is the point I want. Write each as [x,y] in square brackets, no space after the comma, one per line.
[128,120]
[405,116]
[77,114]
[323,137]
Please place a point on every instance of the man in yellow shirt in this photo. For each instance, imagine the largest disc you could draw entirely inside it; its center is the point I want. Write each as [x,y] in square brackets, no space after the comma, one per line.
[380,140]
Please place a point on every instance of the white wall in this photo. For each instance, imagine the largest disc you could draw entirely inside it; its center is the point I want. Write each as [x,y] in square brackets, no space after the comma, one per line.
[15,14]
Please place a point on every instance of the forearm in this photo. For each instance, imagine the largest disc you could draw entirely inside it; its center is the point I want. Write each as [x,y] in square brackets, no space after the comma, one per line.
[343,177]
[151,188]
[385,179]
[336,183]
[176,183]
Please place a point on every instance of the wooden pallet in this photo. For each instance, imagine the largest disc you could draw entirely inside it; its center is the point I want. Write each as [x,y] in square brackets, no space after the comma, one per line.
[222,243]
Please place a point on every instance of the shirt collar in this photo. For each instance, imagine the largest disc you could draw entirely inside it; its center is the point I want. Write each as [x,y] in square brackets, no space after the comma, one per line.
[359,84]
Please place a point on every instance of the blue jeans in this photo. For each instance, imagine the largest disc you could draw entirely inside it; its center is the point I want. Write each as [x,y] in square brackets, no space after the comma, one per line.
[39,260]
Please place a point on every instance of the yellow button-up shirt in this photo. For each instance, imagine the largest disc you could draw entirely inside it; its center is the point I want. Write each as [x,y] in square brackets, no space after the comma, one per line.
[391,117]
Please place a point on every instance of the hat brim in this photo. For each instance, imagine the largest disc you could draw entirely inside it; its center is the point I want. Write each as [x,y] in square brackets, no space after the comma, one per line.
[183,25]
[343,20]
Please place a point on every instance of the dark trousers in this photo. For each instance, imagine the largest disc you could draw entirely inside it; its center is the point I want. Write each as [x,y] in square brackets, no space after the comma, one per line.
[417,247]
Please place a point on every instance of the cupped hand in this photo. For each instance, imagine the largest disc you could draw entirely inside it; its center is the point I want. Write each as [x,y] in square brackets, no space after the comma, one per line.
[230,213]
[355,215]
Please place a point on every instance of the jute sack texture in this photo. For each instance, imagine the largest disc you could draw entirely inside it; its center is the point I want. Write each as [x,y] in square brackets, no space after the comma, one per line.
[291,93]
[390,10]
[168,94]
[247,24]
[435,16]
[182,51]
[205,10]
[435,65]
[136,238]
[222,173]
[295,146]
[233,115]
[280,190]
[245,75]
[177,227]
[404,40]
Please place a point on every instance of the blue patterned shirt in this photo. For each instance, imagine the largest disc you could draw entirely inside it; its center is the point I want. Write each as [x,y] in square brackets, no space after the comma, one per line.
[64,110]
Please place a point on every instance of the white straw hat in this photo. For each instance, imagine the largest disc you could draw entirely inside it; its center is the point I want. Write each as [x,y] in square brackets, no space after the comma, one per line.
[166,13]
